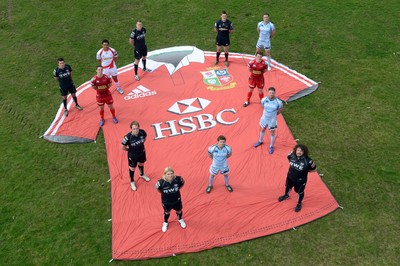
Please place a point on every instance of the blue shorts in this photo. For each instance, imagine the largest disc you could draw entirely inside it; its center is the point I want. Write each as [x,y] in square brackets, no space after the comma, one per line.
[270,123]
[222,170]
[266,45]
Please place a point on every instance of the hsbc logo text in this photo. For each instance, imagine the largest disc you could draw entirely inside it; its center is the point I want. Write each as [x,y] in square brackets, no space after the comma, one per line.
[190,124]
[139,92]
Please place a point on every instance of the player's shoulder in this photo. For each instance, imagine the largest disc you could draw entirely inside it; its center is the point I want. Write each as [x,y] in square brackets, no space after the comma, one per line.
[229,148]
[260,23]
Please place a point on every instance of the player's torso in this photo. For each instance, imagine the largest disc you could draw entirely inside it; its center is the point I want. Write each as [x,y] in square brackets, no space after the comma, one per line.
[271,106]
[64,74]
[136,143]
[139,37]
[265,30]
[106,57]
[257,69]
[223,27]
[220,155]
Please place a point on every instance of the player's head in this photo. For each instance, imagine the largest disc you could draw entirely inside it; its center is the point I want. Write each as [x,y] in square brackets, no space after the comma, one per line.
[61,62]
[99,70]
[266,17]
[259,56]
[169,173]
[271,92]
[223,15]
[135,127]
[300,150]
[221,140]
[106,44]
[139,25]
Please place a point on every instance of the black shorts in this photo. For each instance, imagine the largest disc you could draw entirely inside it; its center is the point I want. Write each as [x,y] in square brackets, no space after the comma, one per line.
[177,206]
[299,186]
[140,52]
[134,160]
[223,42]
[71,89]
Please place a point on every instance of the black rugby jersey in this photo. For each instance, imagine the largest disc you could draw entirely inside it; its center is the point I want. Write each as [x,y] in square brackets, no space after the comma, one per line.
[135,143]
[170,191]
[223,28]
[299,167]
[138,37]
[64,76]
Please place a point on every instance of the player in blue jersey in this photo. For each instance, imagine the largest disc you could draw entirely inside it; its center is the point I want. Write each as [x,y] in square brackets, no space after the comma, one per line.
[266,31]
[219,152]
[299,166]
[272,107]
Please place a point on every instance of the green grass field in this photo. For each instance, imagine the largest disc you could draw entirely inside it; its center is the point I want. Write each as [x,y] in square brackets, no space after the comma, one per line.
[55,199]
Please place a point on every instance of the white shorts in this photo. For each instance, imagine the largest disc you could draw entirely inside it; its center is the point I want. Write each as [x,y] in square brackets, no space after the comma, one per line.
[222,170]
[270,123]
[266,45]
[110,71]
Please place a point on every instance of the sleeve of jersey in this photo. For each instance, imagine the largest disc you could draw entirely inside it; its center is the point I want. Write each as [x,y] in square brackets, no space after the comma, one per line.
[181,181]
[125,141]
[210,150]
[229,149]
[78,126]
[311,165]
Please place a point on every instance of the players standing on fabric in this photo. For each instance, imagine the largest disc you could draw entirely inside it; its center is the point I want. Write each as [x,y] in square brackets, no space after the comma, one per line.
[107,57]
[300,165]
[223,27]
[272,107]
[137,40]
[266,31]
[257,69]
[133,142]
[63,74]
[219,153]
[101,84]
[169,186]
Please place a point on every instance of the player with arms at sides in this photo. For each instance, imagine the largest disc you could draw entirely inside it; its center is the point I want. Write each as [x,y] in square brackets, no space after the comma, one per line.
[266,31]
[272,107]
[107,57]
[257,68]
[133,142]
[101,84]
[219,153]
[137,40]
[169,186]
[63,74]
[223,27]
[300,165]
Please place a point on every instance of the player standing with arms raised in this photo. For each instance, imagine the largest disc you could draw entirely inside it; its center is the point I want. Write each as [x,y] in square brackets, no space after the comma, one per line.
[137,40]
[300,165]
[101,84]
[107,57]
[266,31]
[223,27]
[63,74]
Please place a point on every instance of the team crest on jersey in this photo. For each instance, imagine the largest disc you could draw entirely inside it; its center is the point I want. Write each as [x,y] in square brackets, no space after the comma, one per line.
[218,79]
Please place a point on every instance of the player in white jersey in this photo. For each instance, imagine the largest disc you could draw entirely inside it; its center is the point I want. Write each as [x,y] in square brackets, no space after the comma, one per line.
[107,57]
[266,31]
[219,152]
[272,107]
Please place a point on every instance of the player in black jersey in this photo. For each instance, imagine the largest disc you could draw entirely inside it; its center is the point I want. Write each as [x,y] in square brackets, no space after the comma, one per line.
[137,40]
[223,27]
[169,186]
[63,74]
[300,165]
[133,142]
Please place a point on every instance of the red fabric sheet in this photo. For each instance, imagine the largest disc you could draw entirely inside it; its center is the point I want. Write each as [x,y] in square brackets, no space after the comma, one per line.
[258,178]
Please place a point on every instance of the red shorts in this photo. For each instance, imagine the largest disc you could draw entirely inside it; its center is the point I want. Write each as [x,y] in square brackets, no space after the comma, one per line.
[256,82]
[104,99]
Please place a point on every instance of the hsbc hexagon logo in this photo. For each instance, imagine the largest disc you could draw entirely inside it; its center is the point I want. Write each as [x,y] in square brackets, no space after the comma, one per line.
[189,106]
[190,124]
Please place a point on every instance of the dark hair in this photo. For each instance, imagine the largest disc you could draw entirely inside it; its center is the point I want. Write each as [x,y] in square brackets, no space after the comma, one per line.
[60,59]
[221,137]
[105,41]
[99,66]
[259,52]
[136,123]
[302,147]
[266,14]
[271,89]
[223,12]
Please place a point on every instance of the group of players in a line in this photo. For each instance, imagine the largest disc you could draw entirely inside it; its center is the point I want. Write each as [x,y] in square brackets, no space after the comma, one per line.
[133,142]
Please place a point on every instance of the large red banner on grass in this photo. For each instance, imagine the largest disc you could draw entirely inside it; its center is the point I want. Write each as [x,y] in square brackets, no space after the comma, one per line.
[184,105]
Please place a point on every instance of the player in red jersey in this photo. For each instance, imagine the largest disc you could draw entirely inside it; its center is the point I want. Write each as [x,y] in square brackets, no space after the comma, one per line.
[257,69]
[101,83]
